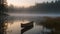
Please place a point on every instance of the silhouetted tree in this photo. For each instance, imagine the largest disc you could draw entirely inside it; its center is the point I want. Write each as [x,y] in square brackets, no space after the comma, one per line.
[3,9]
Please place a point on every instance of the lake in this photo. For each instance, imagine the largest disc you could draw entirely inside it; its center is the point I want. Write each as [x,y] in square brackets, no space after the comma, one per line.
[14,23]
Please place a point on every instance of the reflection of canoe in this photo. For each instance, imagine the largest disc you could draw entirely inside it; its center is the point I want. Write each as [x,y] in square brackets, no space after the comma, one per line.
[27,24]
[26,27]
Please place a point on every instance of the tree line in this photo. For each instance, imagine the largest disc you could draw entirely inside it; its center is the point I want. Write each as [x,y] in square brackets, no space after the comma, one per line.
[52,6]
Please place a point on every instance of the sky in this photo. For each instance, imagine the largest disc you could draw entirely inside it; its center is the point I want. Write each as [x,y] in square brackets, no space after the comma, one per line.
[25,3]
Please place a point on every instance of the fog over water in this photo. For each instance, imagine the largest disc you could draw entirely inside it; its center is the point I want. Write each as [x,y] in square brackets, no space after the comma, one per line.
[23,14]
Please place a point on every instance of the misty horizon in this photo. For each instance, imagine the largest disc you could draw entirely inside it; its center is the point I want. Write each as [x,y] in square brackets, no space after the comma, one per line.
[27,3]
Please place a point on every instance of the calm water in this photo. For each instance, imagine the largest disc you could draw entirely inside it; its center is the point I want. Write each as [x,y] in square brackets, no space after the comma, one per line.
[14,25]
[15,20]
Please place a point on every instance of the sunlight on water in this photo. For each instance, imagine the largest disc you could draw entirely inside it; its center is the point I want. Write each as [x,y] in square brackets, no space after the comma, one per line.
[24,21]
[15,27]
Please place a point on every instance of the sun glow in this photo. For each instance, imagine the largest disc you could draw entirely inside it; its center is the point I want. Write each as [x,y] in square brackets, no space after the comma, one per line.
[20,3]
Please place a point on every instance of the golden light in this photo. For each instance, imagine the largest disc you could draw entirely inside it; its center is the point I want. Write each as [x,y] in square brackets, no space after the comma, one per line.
[20,3]
[15,27]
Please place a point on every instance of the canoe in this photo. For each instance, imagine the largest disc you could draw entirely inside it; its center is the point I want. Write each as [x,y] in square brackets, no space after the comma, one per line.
[27,24]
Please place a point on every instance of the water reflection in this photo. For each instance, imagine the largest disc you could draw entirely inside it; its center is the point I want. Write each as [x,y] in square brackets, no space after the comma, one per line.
[14,27]
[3,27]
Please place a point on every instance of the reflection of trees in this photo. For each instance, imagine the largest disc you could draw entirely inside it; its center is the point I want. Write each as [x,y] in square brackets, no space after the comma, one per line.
[3,16]
[52,23]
